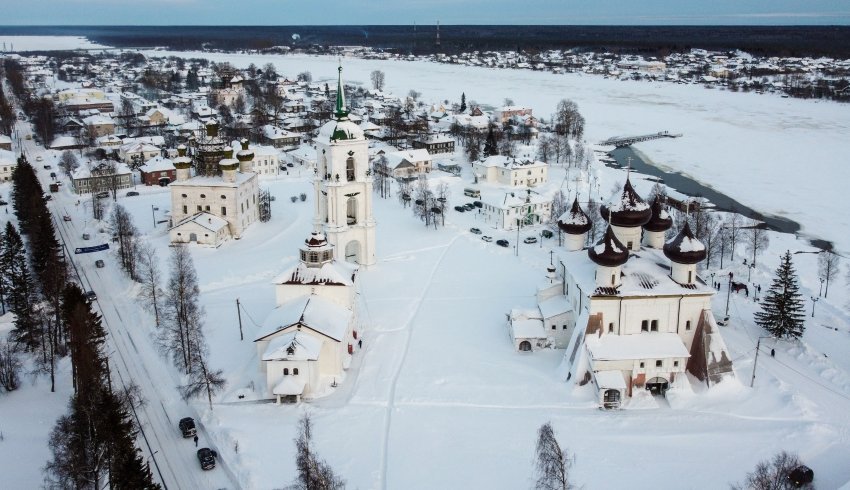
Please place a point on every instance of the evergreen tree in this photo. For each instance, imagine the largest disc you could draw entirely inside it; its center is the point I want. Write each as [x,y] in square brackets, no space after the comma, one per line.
[463,102]
[782,307]
[491,145]
[22,292]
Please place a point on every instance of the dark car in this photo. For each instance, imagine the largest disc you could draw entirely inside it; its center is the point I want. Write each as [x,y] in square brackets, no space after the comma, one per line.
[187,426]
[132,193]
[478,204]
[102,195]
[502,243]
[3,203]
[459,209]
[475,231]
[546,234]
[469,206]
[206,457]
[90,296]
[801,475]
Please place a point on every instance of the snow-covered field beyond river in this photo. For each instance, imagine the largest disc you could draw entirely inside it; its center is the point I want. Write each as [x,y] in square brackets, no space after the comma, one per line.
[778,156]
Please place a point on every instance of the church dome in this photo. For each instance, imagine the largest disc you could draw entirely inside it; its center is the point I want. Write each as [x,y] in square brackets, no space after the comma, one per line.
[627,209]
[316,240]
[244,155]
[575,221]
[609,251]
[334,130]
[684,248]
[660,220]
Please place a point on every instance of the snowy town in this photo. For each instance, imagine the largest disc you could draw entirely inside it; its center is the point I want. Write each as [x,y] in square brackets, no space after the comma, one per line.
[374,269]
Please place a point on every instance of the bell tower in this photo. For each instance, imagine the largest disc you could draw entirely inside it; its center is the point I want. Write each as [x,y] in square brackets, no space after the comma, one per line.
[343,186]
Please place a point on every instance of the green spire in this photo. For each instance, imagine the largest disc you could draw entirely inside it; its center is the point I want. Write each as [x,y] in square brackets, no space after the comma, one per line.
[341,112]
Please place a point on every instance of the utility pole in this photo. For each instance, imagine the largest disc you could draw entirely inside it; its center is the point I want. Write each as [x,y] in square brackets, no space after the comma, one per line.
[239,314]
[756,361]
[728,293]
[153,215]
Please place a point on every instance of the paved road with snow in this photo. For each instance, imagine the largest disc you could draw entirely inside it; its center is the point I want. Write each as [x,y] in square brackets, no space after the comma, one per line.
[133,357]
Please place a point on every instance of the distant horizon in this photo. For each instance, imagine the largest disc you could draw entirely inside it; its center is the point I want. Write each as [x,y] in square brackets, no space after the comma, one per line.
[425,12]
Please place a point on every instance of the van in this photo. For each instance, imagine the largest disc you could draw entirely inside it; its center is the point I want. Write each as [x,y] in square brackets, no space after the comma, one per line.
[472,192]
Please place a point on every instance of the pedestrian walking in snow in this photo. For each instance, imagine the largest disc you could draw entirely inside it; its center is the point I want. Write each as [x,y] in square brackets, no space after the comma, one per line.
[772,353]
[360,344]
[196,441]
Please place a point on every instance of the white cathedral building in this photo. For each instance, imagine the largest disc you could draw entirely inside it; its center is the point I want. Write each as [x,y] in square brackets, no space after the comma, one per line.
[637,317]
[209,210]
[309,338]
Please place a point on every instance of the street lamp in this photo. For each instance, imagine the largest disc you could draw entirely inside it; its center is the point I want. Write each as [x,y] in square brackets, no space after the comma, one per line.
[750,270]
[821,287]
[814,300]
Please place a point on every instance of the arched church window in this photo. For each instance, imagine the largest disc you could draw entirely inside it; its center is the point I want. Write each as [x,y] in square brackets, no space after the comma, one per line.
[295,371]
[351,210]
[286,371]
[349,169]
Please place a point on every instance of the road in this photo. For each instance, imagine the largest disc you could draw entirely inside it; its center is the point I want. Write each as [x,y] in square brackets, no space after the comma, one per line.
[132,354]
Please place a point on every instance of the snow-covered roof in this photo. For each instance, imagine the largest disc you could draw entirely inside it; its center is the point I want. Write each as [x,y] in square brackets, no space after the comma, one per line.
[205,220]
[157,164]
[610,379]
[554,306]
[7,157]
[527,324]
[397,158]
[314,312]
[205,181]
[290,385]
[646,345]
[98,120]
[101,168]
[334,273]
[646,273]
[64,142]
[5,139]
[293,346]
[503,161]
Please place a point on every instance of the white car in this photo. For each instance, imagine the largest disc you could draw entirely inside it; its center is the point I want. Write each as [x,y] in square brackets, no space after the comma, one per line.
[487,238]
[39,158]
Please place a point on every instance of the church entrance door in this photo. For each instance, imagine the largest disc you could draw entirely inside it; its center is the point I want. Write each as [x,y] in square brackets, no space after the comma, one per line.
[657,386]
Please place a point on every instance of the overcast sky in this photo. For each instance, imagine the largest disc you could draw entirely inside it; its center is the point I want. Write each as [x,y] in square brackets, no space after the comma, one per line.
[367,12]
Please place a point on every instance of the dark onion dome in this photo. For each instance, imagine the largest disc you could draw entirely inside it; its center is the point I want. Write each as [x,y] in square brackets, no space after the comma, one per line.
[609,251]
[684,248]
[316,240]
[575,221]
[627,208]
[660,220]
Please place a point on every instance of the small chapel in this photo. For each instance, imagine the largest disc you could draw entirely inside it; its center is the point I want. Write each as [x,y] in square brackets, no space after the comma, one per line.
[307,342]
[631,310]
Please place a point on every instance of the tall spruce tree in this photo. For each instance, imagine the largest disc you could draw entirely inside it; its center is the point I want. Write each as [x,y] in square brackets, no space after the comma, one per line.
[22,290]
[463,102]
[491,145]
[782,307]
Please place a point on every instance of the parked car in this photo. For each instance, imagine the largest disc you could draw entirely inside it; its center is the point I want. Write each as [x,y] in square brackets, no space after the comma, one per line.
[478,204]
[487,238]
[47,167]
[187,426]
[475,231]
[99,264]
[103,195]
[459,209]
[132,193]
[206,457]
[52,175]
[39,158]
[290,164]
[66,218]
[469,206]
[91,296]
[502,243]
[530,239]
[48,197]
[3,203]
[546,233]
[86,236]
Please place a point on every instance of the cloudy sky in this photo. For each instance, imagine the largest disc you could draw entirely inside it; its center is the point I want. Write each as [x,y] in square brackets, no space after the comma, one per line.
[369,12]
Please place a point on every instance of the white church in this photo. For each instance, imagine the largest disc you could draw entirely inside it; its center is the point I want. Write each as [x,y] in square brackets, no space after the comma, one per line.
[308,340]
[634,311]
[209,210]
